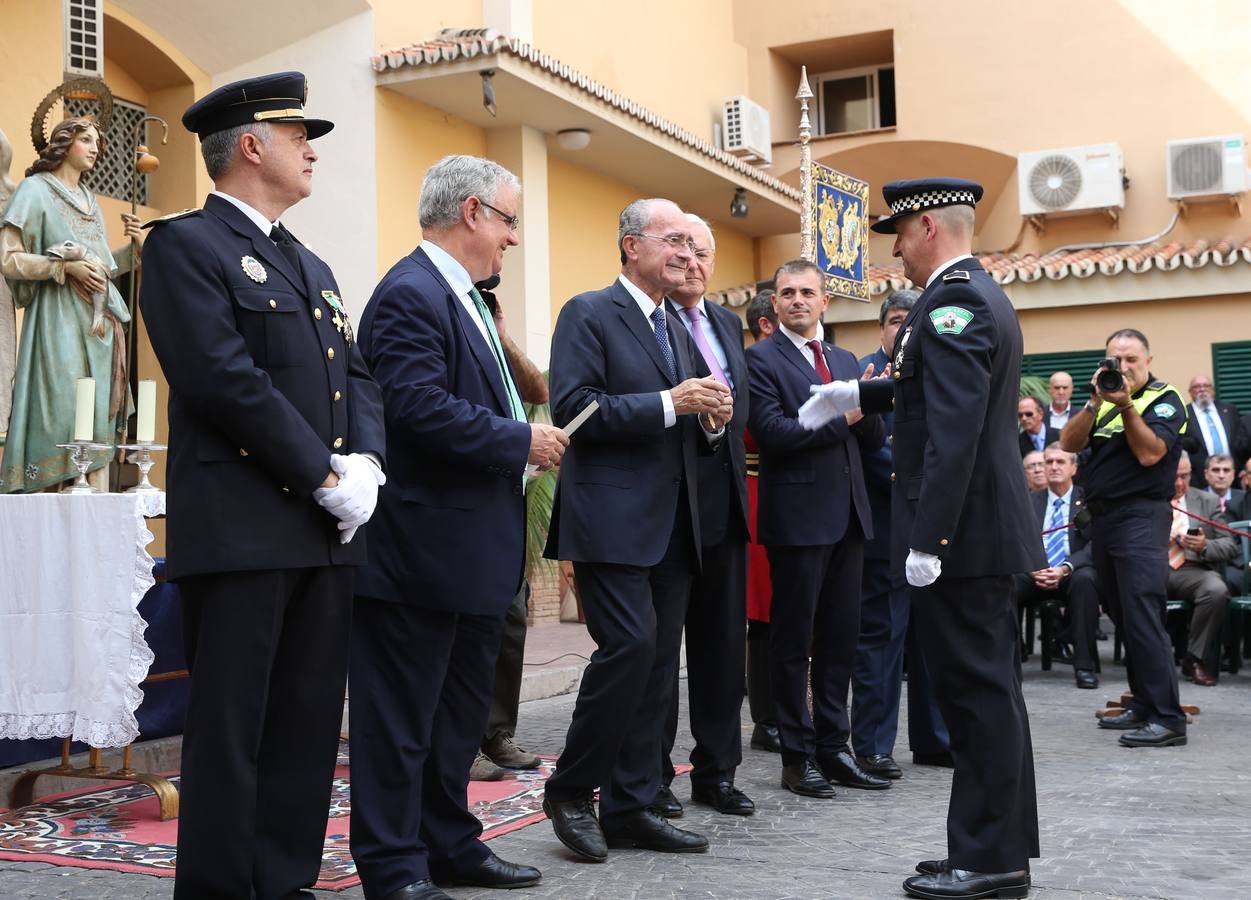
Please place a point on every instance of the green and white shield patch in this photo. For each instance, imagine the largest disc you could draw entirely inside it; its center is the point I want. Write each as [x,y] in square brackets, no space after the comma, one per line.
[950,319]
[1165,410]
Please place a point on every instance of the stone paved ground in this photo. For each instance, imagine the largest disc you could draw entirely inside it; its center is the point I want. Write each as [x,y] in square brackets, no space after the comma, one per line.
[1172,823]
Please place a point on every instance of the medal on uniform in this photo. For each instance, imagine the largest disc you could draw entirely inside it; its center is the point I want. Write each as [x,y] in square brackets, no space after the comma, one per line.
[340,318]
[254,270]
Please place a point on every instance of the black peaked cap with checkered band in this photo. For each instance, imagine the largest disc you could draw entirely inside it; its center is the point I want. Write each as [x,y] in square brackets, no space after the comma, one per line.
[919,194]
[267,98]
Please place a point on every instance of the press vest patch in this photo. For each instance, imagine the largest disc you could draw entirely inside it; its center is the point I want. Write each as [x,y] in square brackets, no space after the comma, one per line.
[950,319]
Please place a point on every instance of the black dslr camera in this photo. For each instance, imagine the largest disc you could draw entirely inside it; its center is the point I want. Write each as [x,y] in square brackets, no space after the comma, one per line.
[1108,378]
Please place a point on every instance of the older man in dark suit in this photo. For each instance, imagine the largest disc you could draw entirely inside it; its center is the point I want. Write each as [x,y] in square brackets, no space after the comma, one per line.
[1215,427]
[449,543]
[813,519]
[1036,432]
[627,515]
[275,432]
[716,619]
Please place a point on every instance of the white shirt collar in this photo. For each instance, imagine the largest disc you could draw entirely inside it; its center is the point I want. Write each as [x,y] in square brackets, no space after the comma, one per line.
[453,272]
[798,340]
[1052,496]
[945,266]
[251,212]
[646,304]
[1061,412]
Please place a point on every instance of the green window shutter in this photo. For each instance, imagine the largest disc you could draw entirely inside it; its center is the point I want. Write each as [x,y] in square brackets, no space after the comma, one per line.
[1231,373]
[1078,363]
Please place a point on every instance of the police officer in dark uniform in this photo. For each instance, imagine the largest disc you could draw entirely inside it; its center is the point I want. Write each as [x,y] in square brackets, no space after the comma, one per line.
[962,526]
[276,446]
[1134,431]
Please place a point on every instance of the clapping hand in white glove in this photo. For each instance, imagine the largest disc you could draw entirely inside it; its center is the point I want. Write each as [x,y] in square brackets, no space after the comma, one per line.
[353,499]
[922,569]
[828,401]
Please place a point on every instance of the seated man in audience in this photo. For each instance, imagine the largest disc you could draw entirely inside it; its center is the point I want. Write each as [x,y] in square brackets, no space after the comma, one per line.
[1197,553]
[1035,470]
[1218,472]
[1035,434]
[1070,573]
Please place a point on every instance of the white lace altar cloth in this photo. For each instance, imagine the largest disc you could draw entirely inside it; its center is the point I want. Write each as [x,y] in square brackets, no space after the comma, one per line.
[73,568]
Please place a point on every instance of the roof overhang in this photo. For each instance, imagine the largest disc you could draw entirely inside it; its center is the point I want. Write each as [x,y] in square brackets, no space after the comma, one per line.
[628,143]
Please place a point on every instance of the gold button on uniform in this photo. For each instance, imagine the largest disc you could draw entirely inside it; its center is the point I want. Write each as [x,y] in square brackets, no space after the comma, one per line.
[242,452]
[330,352]
[317,313]
[943,542]
[338,442]
[897,375]
[338,396]
[892,476]
[273,304]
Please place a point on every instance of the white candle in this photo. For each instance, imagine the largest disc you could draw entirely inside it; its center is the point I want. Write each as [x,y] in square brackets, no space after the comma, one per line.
[145,427]
[85,410]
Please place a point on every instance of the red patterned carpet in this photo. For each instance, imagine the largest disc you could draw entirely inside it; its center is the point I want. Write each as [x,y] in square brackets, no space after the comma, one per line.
[117,826]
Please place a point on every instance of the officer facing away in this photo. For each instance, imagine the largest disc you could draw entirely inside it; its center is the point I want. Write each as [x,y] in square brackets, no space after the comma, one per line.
[1133,425]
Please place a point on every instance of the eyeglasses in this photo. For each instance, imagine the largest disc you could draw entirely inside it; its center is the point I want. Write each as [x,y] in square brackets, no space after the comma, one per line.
[674,240]
[511,221]
[704,255]
[1025,415]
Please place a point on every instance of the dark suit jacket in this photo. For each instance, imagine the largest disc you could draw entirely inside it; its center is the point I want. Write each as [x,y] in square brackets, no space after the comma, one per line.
[959,487]
[1192,441]
[1221,546]
[449,532]
[1027,440]
[811,482]
[619,482]
[1079,529]
[262,391]
[723,474]
[877,471]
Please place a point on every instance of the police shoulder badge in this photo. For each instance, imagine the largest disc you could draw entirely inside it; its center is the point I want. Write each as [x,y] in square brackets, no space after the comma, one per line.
[253,269]
[1165,410]
[950,319]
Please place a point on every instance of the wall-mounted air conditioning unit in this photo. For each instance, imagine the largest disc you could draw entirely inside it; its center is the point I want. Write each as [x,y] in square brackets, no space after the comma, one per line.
[1207,167]
[745,130]
[1071,180]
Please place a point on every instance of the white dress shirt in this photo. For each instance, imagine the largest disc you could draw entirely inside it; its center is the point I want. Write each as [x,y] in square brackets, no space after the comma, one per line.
[253,214]
[801,344]
[458,279]
[1206,425]
[710,334]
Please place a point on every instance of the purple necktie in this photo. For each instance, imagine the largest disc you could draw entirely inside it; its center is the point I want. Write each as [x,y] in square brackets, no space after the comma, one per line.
[697,332]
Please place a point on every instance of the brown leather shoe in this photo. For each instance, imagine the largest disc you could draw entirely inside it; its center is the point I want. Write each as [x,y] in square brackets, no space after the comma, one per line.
[1200,675]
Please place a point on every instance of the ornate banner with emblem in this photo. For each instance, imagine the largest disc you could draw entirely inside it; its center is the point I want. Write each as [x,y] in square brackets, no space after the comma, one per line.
[840,231]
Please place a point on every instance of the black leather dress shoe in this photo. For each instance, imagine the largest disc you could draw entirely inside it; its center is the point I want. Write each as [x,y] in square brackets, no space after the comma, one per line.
[494,872]
[1123,721]
[806,780]
[765,737]
[1086,678]
[648,831]
[1153,734]
[882,765]
[418,890]
[960,883]
[666,804]
[842,768]
[933,866]
[940,758]
[724,797]
[577,827]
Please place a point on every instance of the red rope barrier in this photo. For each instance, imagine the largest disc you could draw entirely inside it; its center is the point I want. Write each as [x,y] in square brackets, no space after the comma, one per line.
[1217,525]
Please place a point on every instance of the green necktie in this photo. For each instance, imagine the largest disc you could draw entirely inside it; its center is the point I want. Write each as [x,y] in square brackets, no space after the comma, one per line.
[514,399]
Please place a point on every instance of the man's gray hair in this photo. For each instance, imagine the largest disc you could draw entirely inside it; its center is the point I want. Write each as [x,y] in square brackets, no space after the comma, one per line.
[219,148]
[700,220]
[1218,457]
[634,219]
[453,180]
[901,299]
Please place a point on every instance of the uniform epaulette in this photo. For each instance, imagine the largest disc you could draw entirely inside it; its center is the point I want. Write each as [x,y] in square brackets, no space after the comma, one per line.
[170,217]
[957,275]
[1157,385]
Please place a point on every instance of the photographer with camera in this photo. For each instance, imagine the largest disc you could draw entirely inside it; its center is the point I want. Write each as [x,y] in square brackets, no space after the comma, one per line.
[1133,426]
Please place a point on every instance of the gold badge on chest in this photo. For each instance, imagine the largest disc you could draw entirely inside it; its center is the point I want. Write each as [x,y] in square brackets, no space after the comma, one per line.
[340,317]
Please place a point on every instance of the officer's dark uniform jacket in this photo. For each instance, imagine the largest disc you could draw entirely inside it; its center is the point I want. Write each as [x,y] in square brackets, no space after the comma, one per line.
[960,345]
[1113,472]
[264,387]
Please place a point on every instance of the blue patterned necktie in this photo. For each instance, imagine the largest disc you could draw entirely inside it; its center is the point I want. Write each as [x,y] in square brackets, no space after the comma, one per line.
[1218,446]
[1057,544]
[662,338]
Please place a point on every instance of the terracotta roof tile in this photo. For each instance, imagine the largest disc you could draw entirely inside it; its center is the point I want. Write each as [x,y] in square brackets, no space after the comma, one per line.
[453,44]
[1006,268]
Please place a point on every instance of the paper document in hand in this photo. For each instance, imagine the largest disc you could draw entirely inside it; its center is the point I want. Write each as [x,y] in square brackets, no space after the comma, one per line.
[581,417]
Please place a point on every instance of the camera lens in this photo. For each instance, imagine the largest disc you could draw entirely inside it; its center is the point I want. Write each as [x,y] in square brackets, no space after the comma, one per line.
[1109,381]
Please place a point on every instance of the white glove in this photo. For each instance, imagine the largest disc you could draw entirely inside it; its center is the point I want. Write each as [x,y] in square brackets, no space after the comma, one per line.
[828,401]
[353,499]
[922,569]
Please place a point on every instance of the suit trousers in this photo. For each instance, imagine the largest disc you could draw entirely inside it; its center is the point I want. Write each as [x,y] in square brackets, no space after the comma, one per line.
[634,614]
[968,634]
[1207,590]
[1081,592]
[506,695]
[877,677]
[1129,541]
[420,688]
[268,653]
[816,612]
[927,732]
[716,641]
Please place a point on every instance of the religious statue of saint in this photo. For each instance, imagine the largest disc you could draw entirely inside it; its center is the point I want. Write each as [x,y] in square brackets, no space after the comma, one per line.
[55,256]
[8,319]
